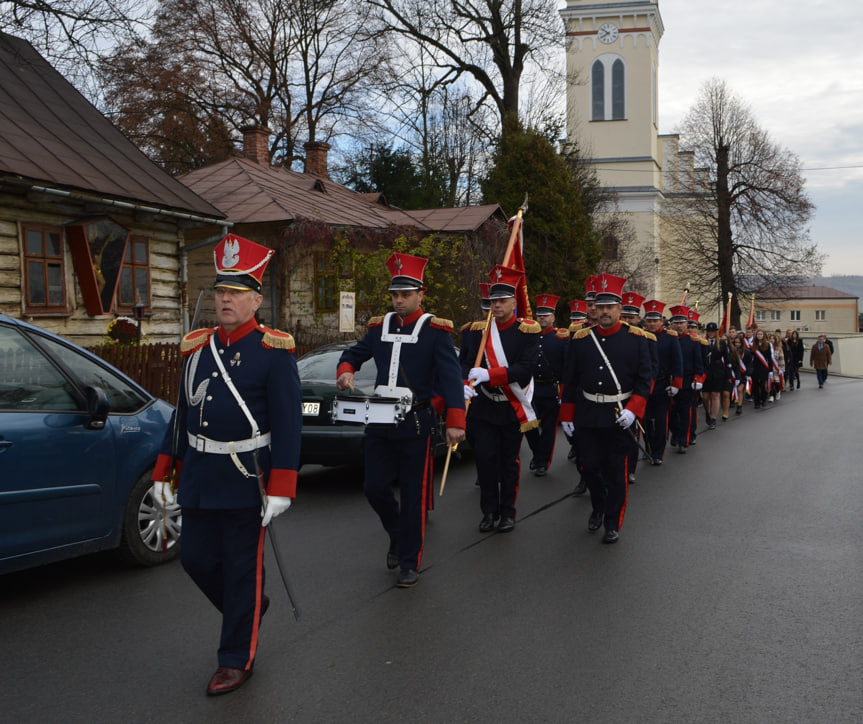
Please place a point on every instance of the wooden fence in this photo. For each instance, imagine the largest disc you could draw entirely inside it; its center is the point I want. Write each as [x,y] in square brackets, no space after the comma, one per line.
[157,367]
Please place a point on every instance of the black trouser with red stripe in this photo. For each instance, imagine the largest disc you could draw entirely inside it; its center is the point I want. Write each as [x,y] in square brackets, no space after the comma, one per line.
[604,451]
[392,459]
[541,439]
[496,450]
[682,414]
[222,552]
[656,424]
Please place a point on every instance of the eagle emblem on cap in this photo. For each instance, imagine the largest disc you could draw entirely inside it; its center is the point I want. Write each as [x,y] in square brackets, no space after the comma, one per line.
[604,283]
[230,254]
[499,273]
[398,264]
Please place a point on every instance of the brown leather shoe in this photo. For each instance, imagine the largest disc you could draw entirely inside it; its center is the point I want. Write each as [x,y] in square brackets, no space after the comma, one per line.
[226,680]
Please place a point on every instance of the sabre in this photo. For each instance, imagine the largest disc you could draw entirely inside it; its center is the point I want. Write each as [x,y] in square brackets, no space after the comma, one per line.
[481,351]
[276,552]
[633,435]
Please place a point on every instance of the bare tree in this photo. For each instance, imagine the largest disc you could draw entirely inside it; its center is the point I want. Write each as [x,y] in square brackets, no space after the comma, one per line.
[740,221]
[489,41]
[294,68]
[72,34]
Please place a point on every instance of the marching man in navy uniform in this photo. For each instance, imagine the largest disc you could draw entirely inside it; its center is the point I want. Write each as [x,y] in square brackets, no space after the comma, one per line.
[667,381]
[501,390]
[240,412]
[415,358]
[608,375]
[630,312]
[552,347]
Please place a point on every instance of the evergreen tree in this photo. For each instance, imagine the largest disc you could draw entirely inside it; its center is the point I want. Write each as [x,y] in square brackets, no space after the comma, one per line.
[561,245]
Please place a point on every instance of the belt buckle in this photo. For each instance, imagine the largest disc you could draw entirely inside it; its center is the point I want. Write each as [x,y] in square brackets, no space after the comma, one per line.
[600,398]
[200,444]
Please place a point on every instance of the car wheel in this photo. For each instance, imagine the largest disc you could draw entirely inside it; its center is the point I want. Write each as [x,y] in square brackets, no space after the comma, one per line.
[143,542]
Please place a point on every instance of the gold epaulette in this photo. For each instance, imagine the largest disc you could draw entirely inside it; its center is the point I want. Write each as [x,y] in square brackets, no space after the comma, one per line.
[703,340]
[671,332]
[465,327]
[276,339]
[649,335]
[581,333]
[562,334]
[376,321]
[196,339]
[477,326]
[441,323]
[635,330]
[529,326]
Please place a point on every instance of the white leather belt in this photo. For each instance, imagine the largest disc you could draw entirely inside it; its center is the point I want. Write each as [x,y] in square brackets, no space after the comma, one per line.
[216,447]
[602,399]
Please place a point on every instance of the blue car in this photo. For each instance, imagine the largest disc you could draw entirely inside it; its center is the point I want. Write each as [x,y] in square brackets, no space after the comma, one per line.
[78,441]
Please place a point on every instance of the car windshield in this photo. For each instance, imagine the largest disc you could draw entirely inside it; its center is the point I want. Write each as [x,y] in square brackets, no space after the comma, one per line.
[322,364]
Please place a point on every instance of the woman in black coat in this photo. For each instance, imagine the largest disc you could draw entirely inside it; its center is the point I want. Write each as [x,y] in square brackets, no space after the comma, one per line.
[794,361]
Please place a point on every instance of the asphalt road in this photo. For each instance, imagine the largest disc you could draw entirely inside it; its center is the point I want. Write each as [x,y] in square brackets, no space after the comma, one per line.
[734,595]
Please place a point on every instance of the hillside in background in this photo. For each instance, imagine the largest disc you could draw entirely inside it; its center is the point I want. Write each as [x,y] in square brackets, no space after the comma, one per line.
[844,283]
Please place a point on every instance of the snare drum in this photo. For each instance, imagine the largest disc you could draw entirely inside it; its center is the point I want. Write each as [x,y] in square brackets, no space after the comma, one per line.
[365,410]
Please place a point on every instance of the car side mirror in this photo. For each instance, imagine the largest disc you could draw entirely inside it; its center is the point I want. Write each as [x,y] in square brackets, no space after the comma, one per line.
[97,408]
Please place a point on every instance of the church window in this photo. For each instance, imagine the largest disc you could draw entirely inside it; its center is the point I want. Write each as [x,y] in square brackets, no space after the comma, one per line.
[608,89]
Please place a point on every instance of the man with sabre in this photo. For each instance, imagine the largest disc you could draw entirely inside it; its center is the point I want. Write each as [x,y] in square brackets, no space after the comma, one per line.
[606,382]
[239,423]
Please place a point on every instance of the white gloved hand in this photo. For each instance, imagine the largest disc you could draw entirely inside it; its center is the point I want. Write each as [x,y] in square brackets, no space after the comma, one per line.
[275,507]
[568,428]
[469,392]
[627,417]
[671,390]
[163,494]
[478,375]
[697,385]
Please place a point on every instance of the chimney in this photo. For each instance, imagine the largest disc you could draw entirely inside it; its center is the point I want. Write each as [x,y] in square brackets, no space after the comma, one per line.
[316,158]
[256,143]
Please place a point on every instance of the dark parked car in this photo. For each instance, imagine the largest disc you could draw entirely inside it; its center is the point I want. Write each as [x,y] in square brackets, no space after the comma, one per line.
[78,441]
[326,442]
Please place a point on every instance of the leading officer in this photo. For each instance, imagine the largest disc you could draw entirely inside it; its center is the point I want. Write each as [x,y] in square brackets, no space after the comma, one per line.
[606,381]
[240,412]
[415,357]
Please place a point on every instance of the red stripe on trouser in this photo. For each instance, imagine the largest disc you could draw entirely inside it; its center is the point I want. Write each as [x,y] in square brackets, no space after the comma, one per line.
[428,473]
[259,580]
[625,492]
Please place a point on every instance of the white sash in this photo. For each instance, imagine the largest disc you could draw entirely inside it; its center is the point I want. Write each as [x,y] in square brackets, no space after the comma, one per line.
[397,340]
[520,398]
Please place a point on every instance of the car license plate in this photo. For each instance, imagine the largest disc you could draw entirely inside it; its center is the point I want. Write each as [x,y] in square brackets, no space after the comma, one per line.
[311,408]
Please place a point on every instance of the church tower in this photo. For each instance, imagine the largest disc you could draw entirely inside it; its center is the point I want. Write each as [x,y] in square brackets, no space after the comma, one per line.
[612,61]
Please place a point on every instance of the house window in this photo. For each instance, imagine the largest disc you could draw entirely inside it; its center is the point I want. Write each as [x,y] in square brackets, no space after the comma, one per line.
[134,284]
[795,315]
[760,315]
[326,284]
[44,270]
[608,89]
[775,315]
[820,315]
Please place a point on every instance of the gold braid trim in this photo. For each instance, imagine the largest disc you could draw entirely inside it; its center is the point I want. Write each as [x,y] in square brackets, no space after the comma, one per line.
[529,326]
[376,321]
[533,424]
[441,323]
[195,339]
[581,333]
[276,339]
[562,334]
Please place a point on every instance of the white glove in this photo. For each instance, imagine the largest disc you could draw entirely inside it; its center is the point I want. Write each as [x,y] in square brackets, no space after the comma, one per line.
[478,375]
[671,390]
[164,495]
[627,417]
[469,392]
[568,428]
[697,385]
[275,507]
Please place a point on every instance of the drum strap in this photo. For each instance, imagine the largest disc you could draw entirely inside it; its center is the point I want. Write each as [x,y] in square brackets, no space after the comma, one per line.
[397,340]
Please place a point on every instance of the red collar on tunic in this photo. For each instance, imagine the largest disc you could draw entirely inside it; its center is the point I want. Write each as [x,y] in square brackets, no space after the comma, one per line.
[607,332]
[506,325]
[229,338]
[409,319]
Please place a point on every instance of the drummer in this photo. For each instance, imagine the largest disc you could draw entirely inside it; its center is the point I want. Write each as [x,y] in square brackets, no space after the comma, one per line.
[415,357]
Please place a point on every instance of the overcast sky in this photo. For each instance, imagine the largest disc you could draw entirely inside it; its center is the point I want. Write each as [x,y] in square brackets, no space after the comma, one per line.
[797,64]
